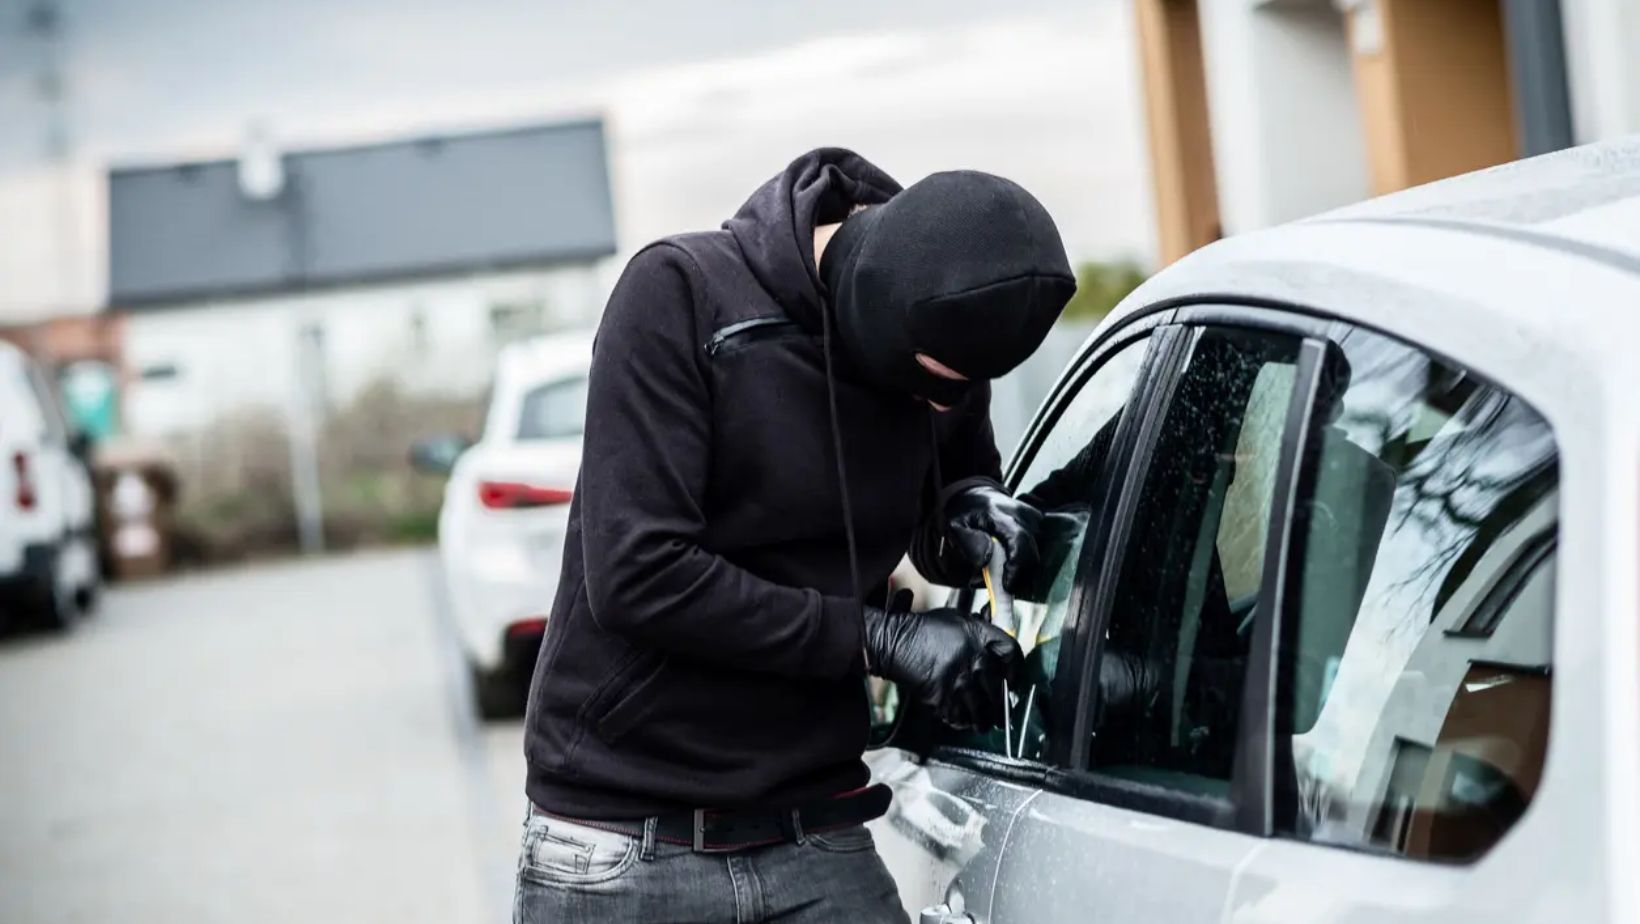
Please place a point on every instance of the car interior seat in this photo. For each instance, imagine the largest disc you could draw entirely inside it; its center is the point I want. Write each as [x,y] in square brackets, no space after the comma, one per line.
[1348,512]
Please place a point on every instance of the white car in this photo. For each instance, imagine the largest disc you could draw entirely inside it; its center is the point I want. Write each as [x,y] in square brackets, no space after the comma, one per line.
[1303,649]
[48,551]
[506,506]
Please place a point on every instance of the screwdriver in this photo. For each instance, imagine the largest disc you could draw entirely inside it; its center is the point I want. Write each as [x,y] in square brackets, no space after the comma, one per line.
[1002,616]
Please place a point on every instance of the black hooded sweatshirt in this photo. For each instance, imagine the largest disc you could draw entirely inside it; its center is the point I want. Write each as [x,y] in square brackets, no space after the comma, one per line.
[704,649]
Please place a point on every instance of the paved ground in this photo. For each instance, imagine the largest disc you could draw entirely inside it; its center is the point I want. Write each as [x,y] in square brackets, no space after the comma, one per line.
[284,743]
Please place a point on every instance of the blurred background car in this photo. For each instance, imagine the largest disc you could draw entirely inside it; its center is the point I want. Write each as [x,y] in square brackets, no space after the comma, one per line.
[506,506]
[48,551]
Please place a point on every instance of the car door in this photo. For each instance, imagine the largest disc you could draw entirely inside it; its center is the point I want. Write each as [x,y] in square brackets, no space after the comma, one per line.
[1321,620]
[946,829]
[1144,814]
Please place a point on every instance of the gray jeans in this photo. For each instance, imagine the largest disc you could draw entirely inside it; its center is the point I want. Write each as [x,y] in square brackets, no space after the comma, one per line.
[569,872]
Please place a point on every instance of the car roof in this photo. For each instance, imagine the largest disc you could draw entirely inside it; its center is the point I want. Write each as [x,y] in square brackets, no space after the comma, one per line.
[1527,274]
[13,357]
[541,359]
[1544,251]
[1585,199]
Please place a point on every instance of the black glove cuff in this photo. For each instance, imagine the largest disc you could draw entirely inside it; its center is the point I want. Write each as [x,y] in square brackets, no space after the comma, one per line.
[965,485]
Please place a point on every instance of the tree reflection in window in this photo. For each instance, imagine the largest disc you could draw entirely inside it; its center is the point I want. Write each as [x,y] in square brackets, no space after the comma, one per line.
[1428,490]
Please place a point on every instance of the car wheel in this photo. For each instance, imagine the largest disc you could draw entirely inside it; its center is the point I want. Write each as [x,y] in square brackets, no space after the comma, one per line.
[498,693]
[60,600]
[89,594]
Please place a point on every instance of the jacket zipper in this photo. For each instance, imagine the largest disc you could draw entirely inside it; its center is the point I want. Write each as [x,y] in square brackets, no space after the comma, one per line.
[747,330]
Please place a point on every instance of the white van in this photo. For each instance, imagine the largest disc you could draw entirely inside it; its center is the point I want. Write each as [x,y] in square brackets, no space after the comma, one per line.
[48,555]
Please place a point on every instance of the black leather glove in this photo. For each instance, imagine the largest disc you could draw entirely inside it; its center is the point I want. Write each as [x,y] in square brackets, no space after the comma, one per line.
[1128,684]
[975,515]
[947,659]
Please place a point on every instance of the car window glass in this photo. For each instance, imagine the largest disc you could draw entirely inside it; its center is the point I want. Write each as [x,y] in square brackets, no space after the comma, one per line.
[1418,701]
[554,411]
[1179,632]
[487,416]
[1084,425]
[18,405]
[56,430]
[1061,479]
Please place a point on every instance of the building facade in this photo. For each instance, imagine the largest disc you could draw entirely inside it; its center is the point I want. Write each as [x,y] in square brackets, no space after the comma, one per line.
[1263,111]
[295,280]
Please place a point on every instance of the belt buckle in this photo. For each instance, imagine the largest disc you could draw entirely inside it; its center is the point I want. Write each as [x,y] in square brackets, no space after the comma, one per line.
[699,842]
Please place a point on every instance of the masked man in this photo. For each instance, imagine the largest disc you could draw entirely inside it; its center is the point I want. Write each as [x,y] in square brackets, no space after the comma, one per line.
[777,409]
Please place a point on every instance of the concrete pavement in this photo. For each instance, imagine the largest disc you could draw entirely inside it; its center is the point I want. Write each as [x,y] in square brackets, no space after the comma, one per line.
[278,743]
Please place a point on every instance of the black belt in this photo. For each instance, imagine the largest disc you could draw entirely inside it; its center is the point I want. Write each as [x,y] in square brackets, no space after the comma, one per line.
[727,830]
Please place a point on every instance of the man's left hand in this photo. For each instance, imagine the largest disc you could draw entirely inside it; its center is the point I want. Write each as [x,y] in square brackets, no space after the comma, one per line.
[976,515]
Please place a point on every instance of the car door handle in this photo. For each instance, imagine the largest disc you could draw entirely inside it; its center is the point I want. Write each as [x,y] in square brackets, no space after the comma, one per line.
[942,914]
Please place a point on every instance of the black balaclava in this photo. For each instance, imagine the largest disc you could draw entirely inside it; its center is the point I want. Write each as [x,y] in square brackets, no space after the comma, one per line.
[964,267]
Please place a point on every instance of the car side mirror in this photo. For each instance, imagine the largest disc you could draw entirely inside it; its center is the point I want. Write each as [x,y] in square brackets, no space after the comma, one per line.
[81,446]
[437,455]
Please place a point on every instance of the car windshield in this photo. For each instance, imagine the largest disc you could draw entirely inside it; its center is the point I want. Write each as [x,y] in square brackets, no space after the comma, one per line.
[554,411]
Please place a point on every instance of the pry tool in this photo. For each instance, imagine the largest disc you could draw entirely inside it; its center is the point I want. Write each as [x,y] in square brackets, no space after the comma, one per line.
[1002,616]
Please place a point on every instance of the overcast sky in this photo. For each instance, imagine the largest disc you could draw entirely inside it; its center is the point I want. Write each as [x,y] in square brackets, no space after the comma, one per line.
[704,100]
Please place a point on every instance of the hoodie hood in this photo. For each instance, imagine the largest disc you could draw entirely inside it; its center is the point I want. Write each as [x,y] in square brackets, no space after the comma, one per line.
[775,228]
[964,268]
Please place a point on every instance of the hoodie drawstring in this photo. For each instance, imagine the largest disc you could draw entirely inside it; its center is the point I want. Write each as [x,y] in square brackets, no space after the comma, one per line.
[842,470]
[934,441]
[938,485]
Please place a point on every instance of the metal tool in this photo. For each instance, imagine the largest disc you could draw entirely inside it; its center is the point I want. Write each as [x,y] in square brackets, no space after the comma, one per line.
[1002,616]
[1025,722]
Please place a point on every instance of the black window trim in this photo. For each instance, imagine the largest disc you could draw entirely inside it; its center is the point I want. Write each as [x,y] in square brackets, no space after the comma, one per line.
[1281,319]
[1136,441]
[1147,798]
[1129,448]
[1484,615]
[1260,757]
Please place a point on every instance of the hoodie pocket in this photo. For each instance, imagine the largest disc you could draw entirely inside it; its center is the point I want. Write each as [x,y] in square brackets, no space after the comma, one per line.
[625,698]
[756,330]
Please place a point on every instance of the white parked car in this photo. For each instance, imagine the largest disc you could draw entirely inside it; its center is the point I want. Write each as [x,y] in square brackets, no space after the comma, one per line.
[1303,648]
[48,551]
[506,506]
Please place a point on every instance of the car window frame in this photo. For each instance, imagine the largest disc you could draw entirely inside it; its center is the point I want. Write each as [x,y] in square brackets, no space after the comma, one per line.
[54,423]
[1075,777]
[1172,328]
[1263,780]
[1253,802]
[1277,792]
[1090,360]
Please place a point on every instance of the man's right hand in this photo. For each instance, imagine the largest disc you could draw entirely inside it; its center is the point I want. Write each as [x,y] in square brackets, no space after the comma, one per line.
[949,660]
